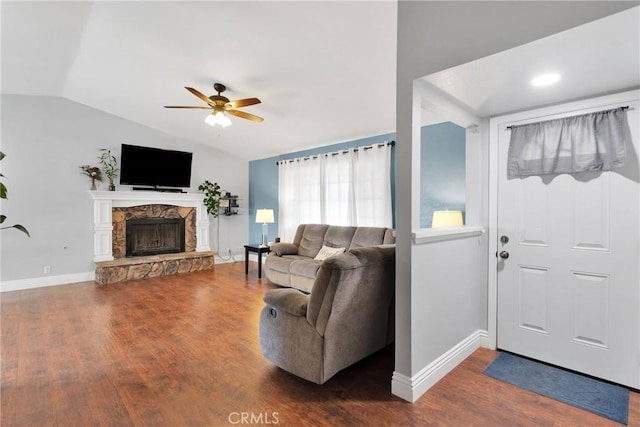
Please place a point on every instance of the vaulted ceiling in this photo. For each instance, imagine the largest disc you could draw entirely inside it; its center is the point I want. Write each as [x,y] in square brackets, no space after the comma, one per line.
[325,71]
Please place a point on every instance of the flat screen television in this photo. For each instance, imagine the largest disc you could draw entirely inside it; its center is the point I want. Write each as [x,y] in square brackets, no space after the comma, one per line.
[154,167]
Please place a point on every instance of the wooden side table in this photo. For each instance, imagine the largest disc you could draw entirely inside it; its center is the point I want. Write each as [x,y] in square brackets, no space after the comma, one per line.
[254,247]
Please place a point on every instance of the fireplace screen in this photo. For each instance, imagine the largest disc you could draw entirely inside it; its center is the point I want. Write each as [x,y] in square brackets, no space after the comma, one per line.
[153,236]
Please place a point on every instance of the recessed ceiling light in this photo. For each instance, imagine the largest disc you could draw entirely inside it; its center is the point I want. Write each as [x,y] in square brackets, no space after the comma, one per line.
[545,79]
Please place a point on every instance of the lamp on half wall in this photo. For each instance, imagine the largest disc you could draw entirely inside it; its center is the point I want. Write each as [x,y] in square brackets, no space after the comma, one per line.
[447,219]
[264,216]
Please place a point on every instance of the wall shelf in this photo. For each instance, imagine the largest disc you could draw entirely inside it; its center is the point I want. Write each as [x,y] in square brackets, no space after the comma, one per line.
[228,205]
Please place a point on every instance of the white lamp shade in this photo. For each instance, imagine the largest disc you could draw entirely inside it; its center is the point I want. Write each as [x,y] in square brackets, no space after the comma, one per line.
[447,219]
[264,216]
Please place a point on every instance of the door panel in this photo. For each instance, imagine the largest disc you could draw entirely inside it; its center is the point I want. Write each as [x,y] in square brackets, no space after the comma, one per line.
[569,291]
[591,218]
[533,295]
[533,211]
[591,296]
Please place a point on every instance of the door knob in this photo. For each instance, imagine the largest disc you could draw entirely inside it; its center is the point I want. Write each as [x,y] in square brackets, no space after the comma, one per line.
[504,239]
[504,254]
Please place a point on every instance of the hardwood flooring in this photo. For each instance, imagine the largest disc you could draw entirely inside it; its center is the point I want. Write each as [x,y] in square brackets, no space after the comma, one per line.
[183,351]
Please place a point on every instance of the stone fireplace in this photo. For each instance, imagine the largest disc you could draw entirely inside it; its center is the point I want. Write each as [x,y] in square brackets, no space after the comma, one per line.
[153,219]
[149,234]
[154,236]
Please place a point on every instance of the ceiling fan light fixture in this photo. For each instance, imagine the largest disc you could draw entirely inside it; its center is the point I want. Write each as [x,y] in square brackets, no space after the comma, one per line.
[221,107]
[218,118]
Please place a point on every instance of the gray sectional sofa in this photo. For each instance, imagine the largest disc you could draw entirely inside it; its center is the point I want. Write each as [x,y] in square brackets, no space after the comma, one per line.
[296,265]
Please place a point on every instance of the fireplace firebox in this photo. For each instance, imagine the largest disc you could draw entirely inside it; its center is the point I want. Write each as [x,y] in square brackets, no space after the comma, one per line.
[154,236]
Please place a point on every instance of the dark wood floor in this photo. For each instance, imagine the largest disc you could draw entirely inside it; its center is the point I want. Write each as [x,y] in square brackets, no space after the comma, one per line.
[183,351]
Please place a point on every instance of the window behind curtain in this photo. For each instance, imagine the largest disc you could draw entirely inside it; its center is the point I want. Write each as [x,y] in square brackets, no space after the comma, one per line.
[351,187]
[298,195]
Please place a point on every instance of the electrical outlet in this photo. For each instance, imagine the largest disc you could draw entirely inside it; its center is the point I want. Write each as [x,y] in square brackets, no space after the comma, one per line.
[47,269]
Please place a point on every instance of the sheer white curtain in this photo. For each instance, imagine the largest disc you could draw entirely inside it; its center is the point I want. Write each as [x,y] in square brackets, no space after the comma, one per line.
[339,194]
[372,186]
[350,187]
[298,195]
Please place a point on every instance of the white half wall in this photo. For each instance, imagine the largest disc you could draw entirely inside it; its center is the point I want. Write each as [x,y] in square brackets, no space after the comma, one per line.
[46,140]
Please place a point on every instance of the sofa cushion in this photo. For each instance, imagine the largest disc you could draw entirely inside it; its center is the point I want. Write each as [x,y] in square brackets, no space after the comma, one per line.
[338,236]
[283,264]
[367,236]
[328,251]
[306,268]
[312,239]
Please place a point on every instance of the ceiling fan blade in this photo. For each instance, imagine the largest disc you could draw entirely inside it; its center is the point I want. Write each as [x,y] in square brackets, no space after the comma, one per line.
[241,103]
[244,115]
[184,106]
[198,94]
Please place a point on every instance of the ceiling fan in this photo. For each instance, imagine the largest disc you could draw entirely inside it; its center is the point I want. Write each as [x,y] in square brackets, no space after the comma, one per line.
[221,106]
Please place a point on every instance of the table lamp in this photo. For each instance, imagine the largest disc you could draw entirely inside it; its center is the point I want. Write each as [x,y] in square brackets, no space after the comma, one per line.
[264,216]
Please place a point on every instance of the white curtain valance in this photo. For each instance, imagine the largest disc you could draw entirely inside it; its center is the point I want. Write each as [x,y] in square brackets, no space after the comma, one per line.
[588,142]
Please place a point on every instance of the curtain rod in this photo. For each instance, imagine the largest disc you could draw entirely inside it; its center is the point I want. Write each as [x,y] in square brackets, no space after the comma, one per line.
[626,107]
[315,156]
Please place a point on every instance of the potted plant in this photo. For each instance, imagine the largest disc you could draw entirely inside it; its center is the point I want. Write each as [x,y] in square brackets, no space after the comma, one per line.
[3,195]
[212,195]
[109,166]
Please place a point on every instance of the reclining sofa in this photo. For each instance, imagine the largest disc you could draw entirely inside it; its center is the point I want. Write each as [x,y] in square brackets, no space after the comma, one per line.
[296,264]
[348,315]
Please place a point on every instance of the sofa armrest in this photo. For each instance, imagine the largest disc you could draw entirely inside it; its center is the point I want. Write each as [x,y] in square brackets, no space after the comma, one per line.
[362,274]
[288,300]
[283,248]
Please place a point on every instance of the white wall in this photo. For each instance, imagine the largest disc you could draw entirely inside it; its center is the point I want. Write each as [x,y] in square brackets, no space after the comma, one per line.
[46,139]
[441,287]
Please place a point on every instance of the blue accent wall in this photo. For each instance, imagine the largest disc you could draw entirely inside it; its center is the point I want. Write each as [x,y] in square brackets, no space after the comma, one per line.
[442,170]
[263,181]
[442,175]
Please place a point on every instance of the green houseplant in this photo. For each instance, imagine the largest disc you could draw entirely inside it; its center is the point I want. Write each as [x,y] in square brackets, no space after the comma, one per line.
[3,195]
[109,166]
[211,199]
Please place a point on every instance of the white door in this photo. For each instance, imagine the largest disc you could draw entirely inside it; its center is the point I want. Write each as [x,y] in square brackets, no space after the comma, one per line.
[569,291]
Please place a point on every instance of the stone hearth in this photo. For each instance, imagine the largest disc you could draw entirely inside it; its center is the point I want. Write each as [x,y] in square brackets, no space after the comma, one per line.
[123,269]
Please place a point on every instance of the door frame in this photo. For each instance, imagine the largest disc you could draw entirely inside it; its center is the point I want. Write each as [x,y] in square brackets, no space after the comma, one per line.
[495,124]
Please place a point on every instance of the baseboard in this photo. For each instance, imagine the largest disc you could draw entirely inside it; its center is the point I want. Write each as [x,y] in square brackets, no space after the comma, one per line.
[230,259]
[40,282]
[411,388]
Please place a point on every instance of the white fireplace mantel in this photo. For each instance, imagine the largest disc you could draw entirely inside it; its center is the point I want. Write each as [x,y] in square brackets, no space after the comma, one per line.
[105,201]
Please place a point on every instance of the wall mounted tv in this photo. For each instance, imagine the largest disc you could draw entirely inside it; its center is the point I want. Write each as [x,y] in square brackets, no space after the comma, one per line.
[154,167]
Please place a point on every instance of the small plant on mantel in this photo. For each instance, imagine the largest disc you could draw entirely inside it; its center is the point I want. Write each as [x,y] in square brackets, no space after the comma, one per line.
[109,166]
[211,199]
[3,195]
